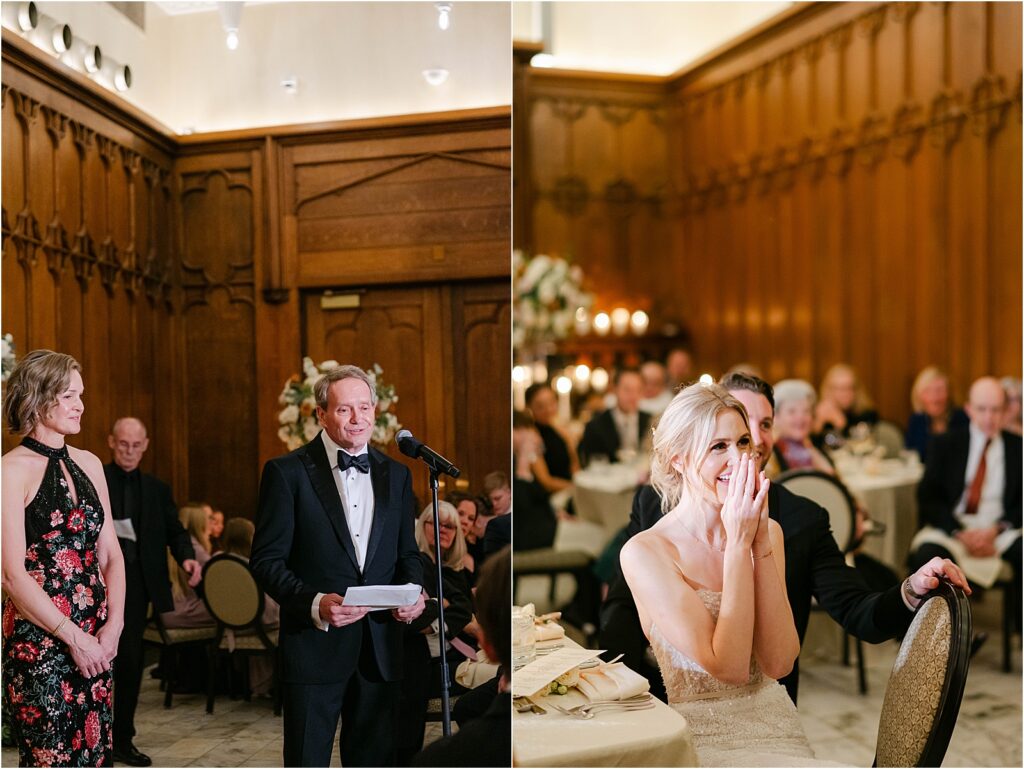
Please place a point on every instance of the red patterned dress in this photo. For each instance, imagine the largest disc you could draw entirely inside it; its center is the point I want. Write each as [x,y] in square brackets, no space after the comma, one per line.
[59,717]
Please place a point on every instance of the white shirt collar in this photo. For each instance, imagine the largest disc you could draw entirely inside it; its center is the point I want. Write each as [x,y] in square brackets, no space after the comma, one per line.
[979,438]
[333,449]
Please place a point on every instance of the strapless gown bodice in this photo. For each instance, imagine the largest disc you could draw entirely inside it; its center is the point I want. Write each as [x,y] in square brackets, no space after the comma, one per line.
[751,725]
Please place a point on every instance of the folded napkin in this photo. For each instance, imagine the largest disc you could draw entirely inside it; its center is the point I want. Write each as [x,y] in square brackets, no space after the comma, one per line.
[549,631]
[612,682]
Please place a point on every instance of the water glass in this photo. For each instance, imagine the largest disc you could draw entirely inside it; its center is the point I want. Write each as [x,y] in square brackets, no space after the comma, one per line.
[524,638]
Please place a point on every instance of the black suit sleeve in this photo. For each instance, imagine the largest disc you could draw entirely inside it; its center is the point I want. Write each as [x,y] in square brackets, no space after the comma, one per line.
[933,495]
[621,632]
[842,592]
[178,540]
[272,544]
[409,568]
[588,443]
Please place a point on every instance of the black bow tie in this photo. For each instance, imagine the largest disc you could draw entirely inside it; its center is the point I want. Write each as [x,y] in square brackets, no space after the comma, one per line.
[360,463]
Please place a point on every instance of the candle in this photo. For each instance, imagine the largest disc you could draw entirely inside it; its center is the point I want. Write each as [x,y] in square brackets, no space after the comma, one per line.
[519,374]
[564,386]
[620,320]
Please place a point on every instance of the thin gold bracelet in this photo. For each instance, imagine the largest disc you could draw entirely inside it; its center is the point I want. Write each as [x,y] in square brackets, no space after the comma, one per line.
[59,626]
[762,557]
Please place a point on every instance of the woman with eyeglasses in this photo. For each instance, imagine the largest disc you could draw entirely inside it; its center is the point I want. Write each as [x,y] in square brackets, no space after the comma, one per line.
[422,638]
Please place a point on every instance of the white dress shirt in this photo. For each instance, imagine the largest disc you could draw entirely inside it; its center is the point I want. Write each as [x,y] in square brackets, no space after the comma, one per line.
[990,506]
[356,492]
[629,430]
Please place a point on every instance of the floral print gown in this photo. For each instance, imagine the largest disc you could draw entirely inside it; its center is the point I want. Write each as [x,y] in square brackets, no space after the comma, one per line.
[59,717]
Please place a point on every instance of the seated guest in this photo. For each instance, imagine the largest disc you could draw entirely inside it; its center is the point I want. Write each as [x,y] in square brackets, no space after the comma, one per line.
[422,637]
[678,367]
[745,369]
[656,393]
[621,430]
[486,740]
[536,522]
[1013,416]
[842,404]
[189,609]
[557,461]
[934,412]
[970,496]
[498,493]
[794,406]
[216,530]
[468,508]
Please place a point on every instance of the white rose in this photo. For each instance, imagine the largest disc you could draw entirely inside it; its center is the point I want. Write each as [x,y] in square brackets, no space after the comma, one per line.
[288,415]
[284,435]
[327,365]
[310,429]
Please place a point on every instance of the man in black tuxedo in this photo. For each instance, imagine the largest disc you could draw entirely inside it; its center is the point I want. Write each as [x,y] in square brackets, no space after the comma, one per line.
[814,565]
[146,520]
[970,496]
[622,427]
[332,515]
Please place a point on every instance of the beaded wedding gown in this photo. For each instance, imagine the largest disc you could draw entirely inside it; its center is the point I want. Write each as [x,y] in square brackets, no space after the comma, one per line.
[751,725]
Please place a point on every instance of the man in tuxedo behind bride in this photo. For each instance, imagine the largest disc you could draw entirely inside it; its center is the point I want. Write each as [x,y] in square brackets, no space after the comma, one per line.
[334,514]
[710,588]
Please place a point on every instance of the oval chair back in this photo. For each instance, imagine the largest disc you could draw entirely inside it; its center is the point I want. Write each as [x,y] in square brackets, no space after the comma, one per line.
[889,436]
[230,592]
[831,494]
[922,698]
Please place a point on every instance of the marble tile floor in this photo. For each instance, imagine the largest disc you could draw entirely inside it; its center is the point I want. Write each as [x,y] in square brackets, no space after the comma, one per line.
[238,733]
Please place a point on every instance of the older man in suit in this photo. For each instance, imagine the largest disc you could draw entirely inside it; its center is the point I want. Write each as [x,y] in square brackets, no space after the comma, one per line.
[332,515]
[622,427]
[814,565]
[146,520]
[970,496]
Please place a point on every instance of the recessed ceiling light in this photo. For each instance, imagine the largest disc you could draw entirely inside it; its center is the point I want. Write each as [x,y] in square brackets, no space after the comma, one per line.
[435,76]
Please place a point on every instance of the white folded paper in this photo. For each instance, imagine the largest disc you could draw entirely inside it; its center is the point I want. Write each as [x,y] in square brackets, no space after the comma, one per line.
[124,529]
[532,678]
[382,596]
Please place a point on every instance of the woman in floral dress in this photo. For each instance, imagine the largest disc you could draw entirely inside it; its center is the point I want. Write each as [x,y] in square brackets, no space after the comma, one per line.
[63,574]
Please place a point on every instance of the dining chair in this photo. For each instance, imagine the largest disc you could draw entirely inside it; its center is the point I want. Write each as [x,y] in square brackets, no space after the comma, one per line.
[170,642]
[829,492]
[922,698]
[889,436]
[236,602]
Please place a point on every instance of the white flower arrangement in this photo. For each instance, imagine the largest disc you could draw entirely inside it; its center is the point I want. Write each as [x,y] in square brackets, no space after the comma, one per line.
[299,424]
[548,293]
[7,358]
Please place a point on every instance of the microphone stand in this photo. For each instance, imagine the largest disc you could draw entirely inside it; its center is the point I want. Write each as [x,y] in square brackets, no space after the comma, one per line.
[446,718]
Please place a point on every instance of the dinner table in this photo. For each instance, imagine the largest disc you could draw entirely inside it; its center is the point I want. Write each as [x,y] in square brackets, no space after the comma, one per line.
[658,736]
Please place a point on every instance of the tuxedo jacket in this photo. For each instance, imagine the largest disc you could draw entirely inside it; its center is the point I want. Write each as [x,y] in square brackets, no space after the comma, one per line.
[156,530]
[601,436]
[814,567]
[302,547]
[943,483]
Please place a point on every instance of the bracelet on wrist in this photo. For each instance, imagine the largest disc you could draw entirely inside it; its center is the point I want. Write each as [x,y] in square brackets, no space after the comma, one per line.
[909,589]
[762,557]
[60,625]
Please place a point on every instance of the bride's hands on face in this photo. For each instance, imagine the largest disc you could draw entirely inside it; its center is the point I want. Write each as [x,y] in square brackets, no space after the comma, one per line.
[741,513]
[762,540]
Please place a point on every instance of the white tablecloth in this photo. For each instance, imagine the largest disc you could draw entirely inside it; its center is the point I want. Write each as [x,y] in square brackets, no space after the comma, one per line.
[889,493]
[603,495]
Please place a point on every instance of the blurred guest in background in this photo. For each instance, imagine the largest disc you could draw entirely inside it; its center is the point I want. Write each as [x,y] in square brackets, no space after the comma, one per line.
[422,636]
[843,403]
[189,610]
[216,529]
[794,407]
[1012,417]
[487,740]
[623,428]
[469,508]
[498,529]
[970,496]
[657,392]
[557,461]
[679,367]
[746,369]
[934,412]
[535,521]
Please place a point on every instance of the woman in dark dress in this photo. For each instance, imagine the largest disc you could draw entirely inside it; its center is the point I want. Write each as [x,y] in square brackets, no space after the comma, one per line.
[63,574]
[842,403]
[934,411]
[553,470]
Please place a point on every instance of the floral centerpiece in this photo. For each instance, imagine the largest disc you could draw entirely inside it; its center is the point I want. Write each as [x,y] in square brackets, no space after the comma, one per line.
[548,293]
[298,421]
[7,359]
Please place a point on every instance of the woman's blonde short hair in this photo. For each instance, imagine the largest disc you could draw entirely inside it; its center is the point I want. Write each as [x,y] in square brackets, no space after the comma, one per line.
[446,513]
[683,433]
[791,390]
[861,399]
[928,375]
[34,386]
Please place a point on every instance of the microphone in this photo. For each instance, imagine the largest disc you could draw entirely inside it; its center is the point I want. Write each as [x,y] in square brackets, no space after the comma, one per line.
[411,447]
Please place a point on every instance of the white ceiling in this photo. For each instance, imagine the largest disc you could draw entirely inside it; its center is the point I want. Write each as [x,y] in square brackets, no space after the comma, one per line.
[350,59]
[656,38]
